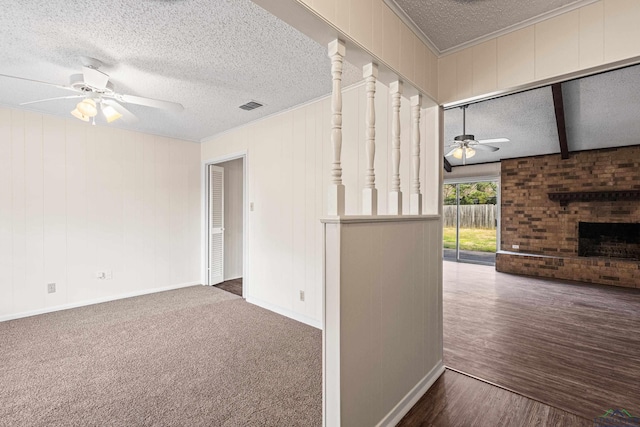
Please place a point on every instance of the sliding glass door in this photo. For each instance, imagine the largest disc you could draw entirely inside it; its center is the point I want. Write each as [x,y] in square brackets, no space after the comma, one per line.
[470,221]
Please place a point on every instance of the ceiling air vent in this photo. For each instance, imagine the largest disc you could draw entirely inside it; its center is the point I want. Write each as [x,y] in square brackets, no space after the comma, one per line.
[251,105]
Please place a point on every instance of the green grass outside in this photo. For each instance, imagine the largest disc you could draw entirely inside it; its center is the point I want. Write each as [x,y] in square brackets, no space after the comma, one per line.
[471,239]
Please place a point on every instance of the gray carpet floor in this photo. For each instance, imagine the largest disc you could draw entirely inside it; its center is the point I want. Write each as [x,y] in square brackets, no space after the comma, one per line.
[197,356]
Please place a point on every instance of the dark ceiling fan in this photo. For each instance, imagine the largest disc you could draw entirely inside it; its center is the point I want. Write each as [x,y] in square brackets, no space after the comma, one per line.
[464,146]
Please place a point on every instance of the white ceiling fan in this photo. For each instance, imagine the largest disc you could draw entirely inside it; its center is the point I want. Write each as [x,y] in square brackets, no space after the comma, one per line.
[98,94]
[464,146]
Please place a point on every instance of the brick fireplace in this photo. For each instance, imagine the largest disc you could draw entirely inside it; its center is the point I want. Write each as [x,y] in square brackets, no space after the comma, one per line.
[575,219]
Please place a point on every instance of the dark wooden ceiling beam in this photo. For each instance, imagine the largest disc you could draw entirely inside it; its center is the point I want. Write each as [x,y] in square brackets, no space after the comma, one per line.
[558,105]
[447,165]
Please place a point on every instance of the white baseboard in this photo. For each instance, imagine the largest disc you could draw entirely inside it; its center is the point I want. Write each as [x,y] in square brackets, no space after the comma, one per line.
[401,409]
[284,312]
[94,301]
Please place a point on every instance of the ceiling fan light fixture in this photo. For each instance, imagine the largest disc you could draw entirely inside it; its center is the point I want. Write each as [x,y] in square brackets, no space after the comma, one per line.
[457,153]
[110,113]
[78,115]
[470,152]
[87,107]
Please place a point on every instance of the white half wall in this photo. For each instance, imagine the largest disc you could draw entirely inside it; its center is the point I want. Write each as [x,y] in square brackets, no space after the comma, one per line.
[383,317]
[288,161]
[76,199]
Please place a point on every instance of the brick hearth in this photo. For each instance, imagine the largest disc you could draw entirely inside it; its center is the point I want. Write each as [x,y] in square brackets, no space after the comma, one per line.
[547,232]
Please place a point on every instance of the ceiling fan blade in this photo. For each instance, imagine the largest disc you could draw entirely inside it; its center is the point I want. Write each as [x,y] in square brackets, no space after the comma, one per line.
[127,116]
[492,141]
[150,102]
[52,99]
[485,148]
[41,82]
[95,78]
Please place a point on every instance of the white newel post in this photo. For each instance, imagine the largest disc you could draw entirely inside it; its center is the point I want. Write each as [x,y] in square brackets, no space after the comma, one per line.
[370,193]
[415,203]
[395,195]
[335,201]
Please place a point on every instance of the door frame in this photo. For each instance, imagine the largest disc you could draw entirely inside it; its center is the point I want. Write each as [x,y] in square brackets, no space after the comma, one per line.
[472,179]
[204,201]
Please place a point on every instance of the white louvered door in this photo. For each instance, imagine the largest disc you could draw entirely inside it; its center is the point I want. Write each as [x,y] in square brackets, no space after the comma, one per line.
[216,225]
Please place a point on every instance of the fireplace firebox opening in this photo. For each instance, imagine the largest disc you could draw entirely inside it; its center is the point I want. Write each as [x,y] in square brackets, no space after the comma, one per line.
[609,240]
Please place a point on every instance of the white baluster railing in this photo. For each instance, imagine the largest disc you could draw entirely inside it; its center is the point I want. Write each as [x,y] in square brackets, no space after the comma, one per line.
[415,202]
[370,193]
[395,195]
[336,201]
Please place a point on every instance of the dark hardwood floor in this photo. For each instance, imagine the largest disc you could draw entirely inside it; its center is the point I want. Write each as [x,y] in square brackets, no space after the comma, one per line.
[458,400]
[572,346]
[234,286]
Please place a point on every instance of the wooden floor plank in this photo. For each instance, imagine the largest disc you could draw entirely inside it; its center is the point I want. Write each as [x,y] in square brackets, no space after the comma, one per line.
[572,346]
[458,400]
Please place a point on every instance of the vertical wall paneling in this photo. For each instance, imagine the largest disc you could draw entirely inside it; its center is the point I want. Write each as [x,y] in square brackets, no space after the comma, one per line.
[407,53]
[360,21]
[391,41]
[76,199]
[516,58]
[447,78]
[298,210]
[557,45]
[382,341]
[592,35]
[485,72]
[621,31]
[18,246]
[32,295]
[378,37]
[464,74]
[6,212]
[55,211]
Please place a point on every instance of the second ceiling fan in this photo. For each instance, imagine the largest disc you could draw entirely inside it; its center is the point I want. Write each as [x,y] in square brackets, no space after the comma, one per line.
[464,146]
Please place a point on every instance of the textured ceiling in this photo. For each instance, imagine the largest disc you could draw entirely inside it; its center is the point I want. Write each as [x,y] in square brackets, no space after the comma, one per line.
[210,56]
[450,23]
[601,111]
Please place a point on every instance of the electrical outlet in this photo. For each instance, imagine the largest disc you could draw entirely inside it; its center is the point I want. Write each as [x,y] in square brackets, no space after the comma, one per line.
[51,288]
[108,274]
[515,246]
[301,295]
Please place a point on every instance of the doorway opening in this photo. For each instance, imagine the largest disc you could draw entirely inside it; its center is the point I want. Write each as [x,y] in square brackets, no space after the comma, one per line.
[470,222]
[225,213]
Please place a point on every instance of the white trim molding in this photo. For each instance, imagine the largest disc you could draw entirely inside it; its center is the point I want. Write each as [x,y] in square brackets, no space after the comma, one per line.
[405,405]
[515,27]
[284,312]
[96,301]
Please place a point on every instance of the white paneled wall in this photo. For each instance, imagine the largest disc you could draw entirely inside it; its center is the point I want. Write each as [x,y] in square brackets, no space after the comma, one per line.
[76,199]
[233,217]
[288,160]
[594,35]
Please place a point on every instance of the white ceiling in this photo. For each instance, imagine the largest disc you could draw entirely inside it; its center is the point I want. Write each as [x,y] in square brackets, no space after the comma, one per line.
[452,23]
[210,56]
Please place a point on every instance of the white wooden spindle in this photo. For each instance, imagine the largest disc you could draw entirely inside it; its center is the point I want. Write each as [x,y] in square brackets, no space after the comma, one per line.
[335,202]
[395,195]
[415,202]
[370,193]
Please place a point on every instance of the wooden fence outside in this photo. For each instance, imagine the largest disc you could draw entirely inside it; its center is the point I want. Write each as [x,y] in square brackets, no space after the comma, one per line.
[471,216]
